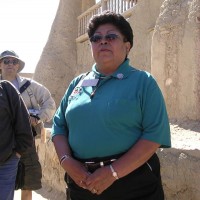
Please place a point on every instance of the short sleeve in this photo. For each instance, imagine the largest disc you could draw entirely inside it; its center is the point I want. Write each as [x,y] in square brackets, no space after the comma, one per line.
[155,118]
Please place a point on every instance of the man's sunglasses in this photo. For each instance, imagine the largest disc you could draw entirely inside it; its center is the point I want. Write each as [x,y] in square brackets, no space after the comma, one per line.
[14,62]
[98,38]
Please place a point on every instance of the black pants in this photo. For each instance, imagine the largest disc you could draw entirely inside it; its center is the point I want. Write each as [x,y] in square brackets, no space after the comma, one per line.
[143,183]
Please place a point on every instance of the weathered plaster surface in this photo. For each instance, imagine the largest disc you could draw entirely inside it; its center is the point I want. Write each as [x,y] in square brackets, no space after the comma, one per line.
[175,57]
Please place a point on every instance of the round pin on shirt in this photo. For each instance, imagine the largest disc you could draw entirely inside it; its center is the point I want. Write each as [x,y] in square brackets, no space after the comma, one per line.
[120,76]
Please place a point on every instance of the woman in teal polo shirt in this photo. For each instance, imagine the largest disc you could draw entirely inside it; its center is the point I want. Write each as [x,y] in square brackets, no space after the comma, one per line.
[111,121]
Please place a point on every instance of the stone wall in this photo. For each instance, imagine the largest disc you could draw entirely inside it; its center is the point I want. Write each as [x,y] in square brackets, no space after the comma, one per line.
[180,173]
[53,174]
[179,165]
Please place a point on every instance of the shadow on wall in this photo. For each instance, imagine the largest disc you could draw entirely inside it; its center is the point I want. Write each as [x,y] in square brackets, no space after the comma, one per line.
[192,125]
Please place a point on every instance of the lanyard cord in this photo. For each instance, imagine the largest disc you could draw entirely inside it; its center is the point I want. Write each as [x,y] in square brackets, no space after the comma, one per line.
[99,85]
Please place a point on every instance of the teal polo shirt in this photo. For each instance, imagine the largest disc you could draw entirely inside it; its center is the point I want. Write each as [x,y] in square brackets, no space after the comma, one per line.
[126,106]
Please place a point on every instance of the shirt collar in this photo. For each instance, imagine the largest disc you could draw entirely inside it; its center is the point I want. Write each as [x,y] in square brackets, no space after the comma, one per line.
[122,71]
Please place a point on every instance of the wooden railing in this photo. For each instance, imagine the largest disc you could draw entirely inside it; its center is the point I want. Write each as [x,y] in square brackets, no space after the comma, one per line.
[118,6]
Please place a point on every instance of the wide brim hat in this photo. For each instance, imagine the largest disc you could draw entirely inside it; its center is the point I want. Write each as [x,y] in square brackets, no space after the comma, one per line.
[10,53]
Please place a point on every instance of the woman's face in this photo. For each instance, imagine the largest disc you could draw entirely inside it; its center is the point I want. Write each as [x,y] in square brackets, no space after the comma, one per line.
[108,46]
[9,66]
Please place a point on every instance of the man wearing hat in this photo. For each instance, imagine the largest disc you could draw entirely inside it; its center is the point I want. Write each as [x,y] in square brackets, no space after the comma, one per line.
[41,107]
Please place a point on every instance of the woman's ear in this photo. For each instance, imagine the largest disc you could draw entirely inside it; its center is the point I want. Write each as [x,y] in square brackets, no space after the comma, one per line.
[128,47]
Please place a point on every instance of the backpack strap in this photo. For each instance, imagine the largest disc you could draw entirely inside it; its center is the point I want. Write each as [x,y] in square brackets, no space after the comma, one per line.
[23,87]
[34,103]
[28,89]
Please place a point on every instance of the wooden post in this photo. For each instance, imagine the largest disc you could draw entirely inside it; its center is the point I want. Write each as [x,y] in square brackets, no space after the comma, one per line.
[43,135]
[103,5]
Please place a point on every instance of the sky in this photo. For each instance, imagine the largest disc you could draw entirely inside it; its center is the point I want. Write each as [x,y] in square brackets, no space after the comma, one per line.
[25,27]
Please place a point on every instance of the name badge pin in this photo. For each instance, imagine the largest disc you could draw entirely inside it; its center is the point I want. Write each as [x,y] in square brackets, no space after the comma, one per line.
[89,82]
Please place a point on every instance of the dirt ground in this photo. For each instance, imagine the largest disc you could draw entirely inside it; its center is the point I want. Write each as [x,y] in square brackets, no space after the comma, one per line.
[45,193]
[35,196]
[185,134]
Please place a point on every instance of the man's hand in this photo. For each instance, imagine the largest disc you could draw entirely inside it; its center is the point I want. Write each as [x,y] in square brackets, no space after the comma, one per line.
[34,121]
[18,155]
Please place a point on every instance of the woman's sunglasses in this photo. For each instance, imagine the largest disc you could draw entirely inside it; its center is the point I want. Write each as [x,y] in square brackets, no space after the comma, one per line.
[98,38]
[14,62]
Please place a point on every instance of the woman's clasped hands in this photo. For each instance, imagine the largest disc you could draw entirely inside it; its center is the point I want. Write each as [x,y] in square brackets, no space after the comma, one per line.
[95,182]
[98,181]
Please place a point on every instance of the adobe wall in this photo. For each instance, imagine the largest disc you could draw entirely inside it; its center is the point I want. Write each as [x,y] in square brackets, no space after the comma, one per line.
[56,66]
[176,57]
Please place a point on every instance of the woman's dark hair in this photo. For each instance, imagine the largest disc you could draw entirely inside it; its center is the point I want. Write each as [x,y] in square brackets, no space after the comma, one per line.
[108,17]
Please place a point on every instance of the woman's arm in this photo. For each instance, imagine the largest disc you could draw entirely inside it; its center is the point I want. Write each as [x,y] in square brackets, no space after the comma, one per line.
[75,169]
[61,145]
[102,178]
[135,157]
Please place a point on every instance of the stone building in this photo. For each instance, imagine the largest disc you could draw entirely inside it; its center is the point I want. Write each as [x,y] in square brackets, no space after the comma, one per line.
[166,43]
